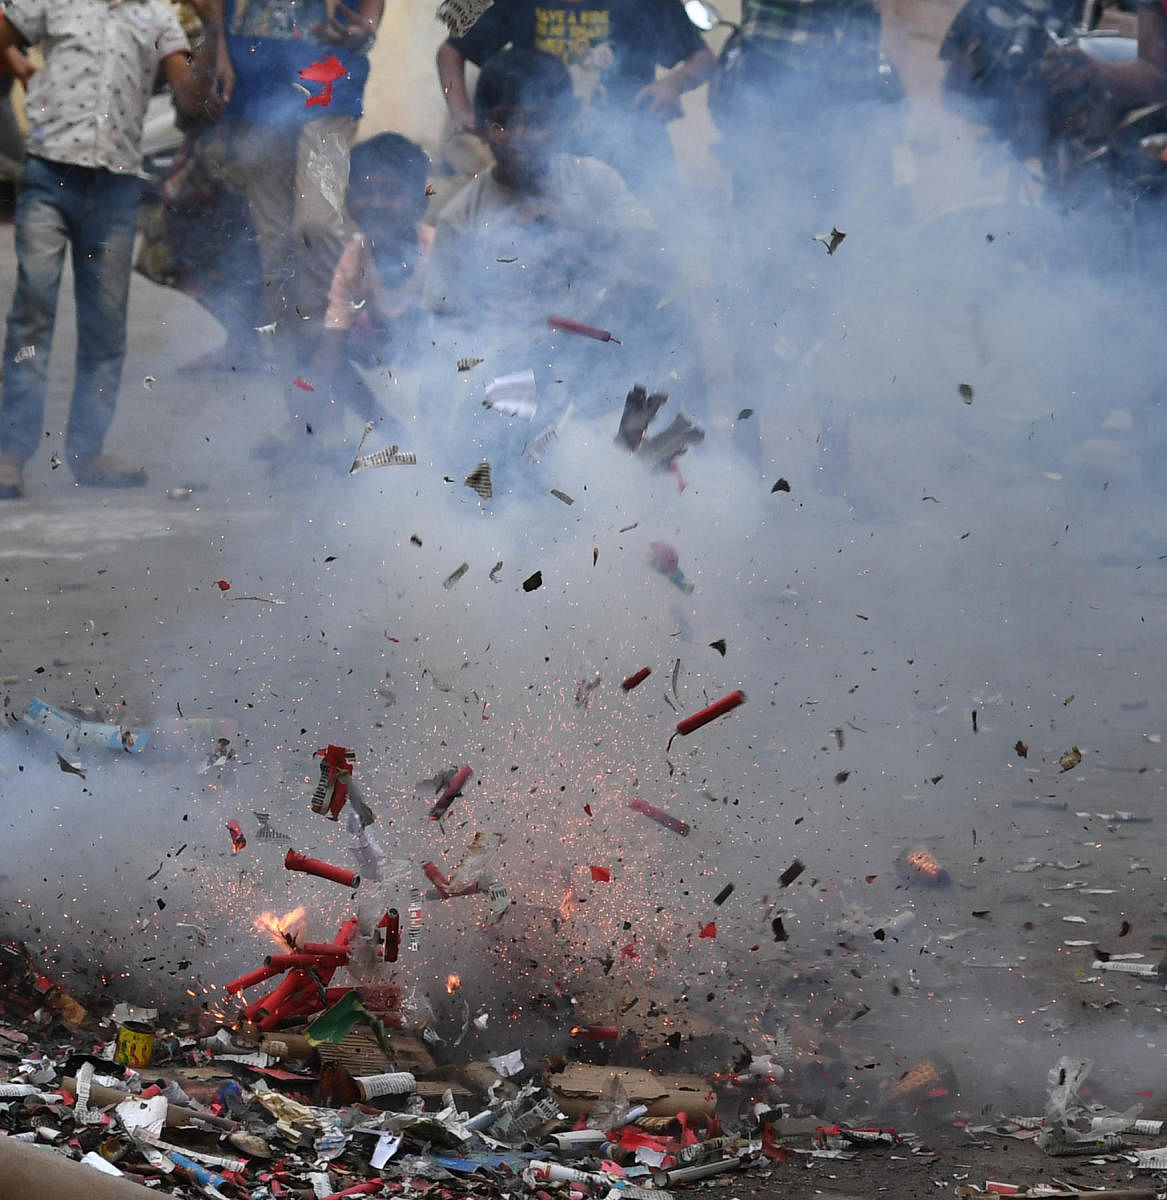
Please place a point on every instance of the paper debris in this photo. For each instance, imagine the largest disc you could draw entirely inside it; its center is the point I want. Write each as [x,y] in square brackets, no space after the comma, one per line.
[832,240]
[479,480]
[508,1064]
[513,394]
[391,456]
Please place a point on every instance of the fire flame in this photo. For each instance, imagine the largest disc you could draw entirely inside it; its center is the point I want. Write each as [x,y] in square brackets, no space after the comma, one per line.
[283,930]
[453,983]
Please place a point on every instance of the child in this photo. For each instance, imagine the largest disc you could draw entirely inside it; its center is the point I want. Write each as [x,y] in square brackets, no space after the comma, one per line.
[375,295]
[544,233]
[527,237]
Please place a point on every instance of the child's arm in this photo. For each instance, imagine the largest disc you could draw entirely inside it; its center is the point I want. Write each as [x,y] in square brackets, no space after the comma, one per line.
[452,76]
[355,27]
[193,77]
[663,96]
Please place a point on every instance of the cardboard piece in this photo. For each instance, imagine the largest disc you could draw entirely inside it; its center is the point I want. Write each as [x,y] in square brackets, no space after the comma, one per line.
[579,1085]
[360,1055]
[38,1171]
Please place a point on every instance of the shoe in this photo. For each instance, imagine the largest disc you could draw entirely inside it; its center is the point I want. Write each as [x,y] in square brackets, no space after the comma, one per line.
[103,470]
[11,477]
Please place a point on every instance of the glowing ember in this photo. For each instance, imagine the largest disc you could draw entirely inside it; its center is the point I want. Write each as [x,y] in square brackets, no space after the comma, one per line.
[284,930]
[453,983]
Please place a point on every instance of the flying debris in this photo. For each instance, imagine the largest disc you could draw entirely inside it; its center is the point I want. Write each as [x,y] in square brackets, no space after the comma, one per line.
[455,575]
[832,240]
[479,480]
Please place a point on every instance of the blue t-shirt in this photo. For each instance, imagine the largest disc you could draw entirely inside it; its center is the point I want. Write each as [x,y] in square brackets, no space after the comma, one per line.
[270,42]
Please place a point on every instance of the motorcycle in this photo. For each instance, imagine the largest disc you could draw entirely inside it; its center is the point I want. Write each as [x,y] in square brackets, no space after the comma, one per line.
[741,59]
[1075,145]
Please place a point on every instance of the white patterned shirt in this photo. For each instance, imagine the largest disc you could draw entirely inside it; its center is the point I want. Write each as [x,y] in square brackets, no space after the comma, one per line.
[86,106]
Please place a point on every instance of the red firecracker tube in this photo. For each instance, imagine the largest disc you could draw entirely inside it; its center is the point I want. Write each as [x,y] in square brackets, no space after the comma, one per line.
[295,861]
[443,802]
[637,679]
[717,709]
[659,816]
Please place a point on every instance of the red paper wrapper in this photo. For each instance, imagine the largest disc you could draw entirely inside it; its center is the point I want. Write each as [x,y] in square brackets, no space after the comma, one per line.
[637,679]
[595,1033]
[566,325]
[238,840]
[450,793]
[434,875]
[391,938]
[659,816]
[369,1188]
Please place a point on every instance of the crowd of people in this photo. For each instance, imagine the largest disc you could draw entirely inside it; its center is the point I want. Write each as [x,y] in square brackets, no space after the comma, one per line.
[278,220]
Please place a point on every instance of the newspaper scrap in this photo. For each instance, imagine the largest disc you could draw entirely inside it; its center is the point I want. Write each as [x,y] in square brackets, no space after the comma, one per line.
[1125,967]
[479,480]
[460,16]
[513,395]
[500,902]
[266,833]
[391,456]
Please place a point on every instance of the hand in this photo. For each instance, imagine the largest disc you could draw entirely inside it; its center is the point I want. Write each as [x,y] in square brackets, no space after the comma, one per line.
[662,98]
[464,120]
[1066,69]
[345,28]
[223,85]
[21,67]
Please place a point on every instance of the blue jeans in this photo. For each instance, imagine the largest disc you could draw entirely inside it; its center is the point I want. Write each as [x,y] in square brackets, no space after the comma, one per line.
[93,212]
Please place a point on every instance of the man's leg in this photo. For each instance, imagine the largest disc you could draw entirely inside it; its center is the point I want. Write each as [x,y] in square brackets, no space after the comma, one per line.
[264,160]
[42,232]
[103,250]
[319,224]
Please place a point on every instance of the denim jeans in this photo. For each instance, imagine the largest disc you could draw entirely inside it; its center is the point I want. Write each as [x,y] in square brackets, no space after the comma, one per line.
[93,212]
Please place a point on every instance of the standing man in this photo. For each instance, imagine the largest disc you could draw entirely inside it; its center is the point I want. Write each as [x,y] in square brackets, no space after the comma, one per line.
[79,188]
[612,49]
[300,70]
